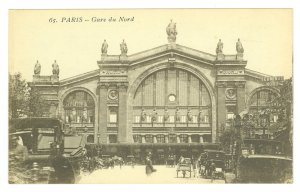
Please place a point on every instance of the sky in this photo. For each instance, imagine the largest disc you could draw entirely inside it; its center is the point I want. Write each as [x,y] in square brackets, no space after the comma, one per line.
[266,35]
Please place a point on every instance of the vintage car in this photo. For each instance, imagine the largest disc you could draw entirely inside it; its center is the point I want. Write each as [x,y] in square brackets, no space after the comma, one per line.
[45,142]
[184,165]
[264,161]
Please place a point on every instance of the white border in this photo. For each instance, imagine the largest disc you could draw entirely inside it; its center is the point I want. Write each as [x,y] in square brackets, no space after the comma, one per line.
[5,5]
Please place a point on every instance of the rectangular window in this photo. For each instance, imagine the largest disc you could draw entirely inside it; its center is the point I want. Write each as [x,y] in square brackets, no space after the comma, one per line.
[183,138]
[113,118]
[160,138]
[171,118]
[137,138]
[195,119]
[113,138]
[172,138]
[137,119]
[148,119]
[230,116]
[149,138]
[206,119]
[183,119]
[160,119]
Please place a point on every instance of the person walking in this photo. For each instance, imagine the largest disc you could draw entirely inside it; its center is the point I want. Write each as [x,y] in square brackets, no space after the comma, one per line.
[149,166]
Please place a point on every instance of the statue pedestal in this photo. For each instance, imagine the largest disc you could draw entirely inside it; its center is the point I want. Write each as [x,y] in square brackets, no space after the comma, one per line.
[123,58]
[239,56]
[220,56]
[103,56]
[172,45]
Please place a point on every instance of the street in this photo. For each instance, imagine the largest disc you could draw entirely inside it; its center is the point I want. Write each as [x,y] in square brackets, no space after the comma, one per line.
[137,175]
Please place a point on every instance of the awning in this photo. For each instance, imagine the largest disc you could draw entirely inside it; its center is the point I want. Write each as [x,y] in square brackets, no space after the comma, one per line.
[160,150]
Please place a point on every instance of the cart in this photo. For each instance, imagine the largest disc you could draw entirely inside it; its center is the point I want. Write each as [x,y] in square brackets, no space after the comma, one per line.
[184,167]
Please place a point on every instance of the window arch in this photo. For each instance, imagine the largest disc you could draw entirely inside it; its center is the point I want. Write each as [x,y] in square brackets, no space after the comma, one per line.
[260,100]
[79,107]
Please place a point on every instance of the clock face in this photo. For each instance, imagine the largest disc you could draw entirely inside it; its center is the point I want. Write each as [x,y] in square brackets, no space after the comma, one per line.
[172,98]
[113,95]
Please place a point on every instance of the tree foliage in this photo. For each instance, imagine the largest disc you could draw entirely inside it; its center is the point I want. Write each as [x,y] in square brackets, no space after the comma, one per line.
[23,100]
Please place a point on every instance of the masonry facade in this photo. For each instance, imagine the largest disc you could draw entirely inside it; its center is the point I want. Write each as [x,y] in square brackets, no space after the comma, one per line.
[168,94]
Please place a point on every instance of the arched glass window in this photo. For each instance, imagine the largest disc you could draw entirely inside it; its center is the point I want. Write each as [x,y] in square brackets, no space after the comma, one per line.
[79,107]
[262,100]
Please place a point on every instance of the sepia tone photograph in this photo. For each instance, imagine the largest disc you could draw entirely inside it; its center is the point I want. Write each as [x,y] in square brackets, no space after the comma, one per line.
[151,96]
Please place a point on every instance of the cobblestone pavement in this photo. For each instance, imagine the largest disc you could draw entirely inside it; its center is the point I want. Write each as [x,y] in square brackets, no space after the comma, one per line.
[137,175]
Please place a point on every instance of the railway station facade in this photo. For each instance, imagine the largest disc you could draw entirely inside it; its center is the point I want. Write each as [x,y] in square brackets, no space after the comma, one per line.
[168,94]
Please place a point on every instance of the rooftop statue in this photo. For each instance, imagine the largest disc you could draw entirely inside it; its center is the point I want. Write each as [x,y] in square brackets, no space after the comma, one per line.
[219,49]
[104,47]
[239,47]
[37,68]
[123,47]
[55,68]
[171,32]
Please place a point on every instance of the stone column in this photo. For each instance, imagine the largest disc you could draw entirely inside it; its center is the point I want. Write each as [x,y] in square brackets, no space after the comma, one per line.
[189,139]
[123,134]
[221,109]
[143,139]
[103,113]
[178,139]
[241,102]
[154,139]
[107,138]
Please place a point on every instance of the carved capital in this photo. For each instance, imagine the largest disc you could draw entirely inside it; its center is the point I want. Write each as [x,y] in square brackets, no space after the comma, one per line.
[221,84]
[122,85]
[103,85]
[240,84]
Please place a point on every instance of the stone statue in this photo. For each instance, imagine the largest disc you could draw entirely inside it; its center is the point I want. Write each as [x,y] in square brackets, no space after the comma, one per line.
[55,68]
[171,32]
[123,47]
[189,115]
[219,49]
[143,115]
[177,115]
[104,47]
[239,47]
[154,116]
[37,68]
[166,115]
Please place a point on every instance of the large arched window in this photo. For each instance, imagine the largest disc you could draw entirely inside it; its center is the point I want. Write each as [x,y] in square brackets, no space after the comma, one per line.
[79,108]
[172,98]
[261,100]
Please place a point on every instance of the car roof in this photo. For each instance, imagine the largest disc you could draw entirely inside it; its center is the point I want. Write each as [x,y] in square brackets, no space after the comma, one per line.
[34,122]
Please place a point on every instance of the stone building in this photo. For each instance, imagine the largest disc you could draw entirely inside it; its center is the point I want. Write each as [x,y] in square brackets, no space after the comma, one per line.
[168,94]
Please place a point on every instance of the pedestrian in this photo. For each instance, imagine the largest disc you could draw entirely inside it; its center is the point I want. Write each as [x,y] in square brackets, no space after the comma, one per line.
[212,170]
[149,167]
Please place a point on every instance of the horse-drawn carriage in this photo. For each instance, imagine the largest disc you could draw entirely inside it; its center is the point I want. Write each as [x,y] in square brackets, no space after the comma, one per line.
[184,165]
[212,164]
[130,160]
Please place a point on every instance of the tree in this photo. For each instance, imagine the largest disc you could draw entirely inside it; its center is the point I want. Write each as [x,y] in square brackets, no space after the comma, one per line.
[23,100]
[18,96]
